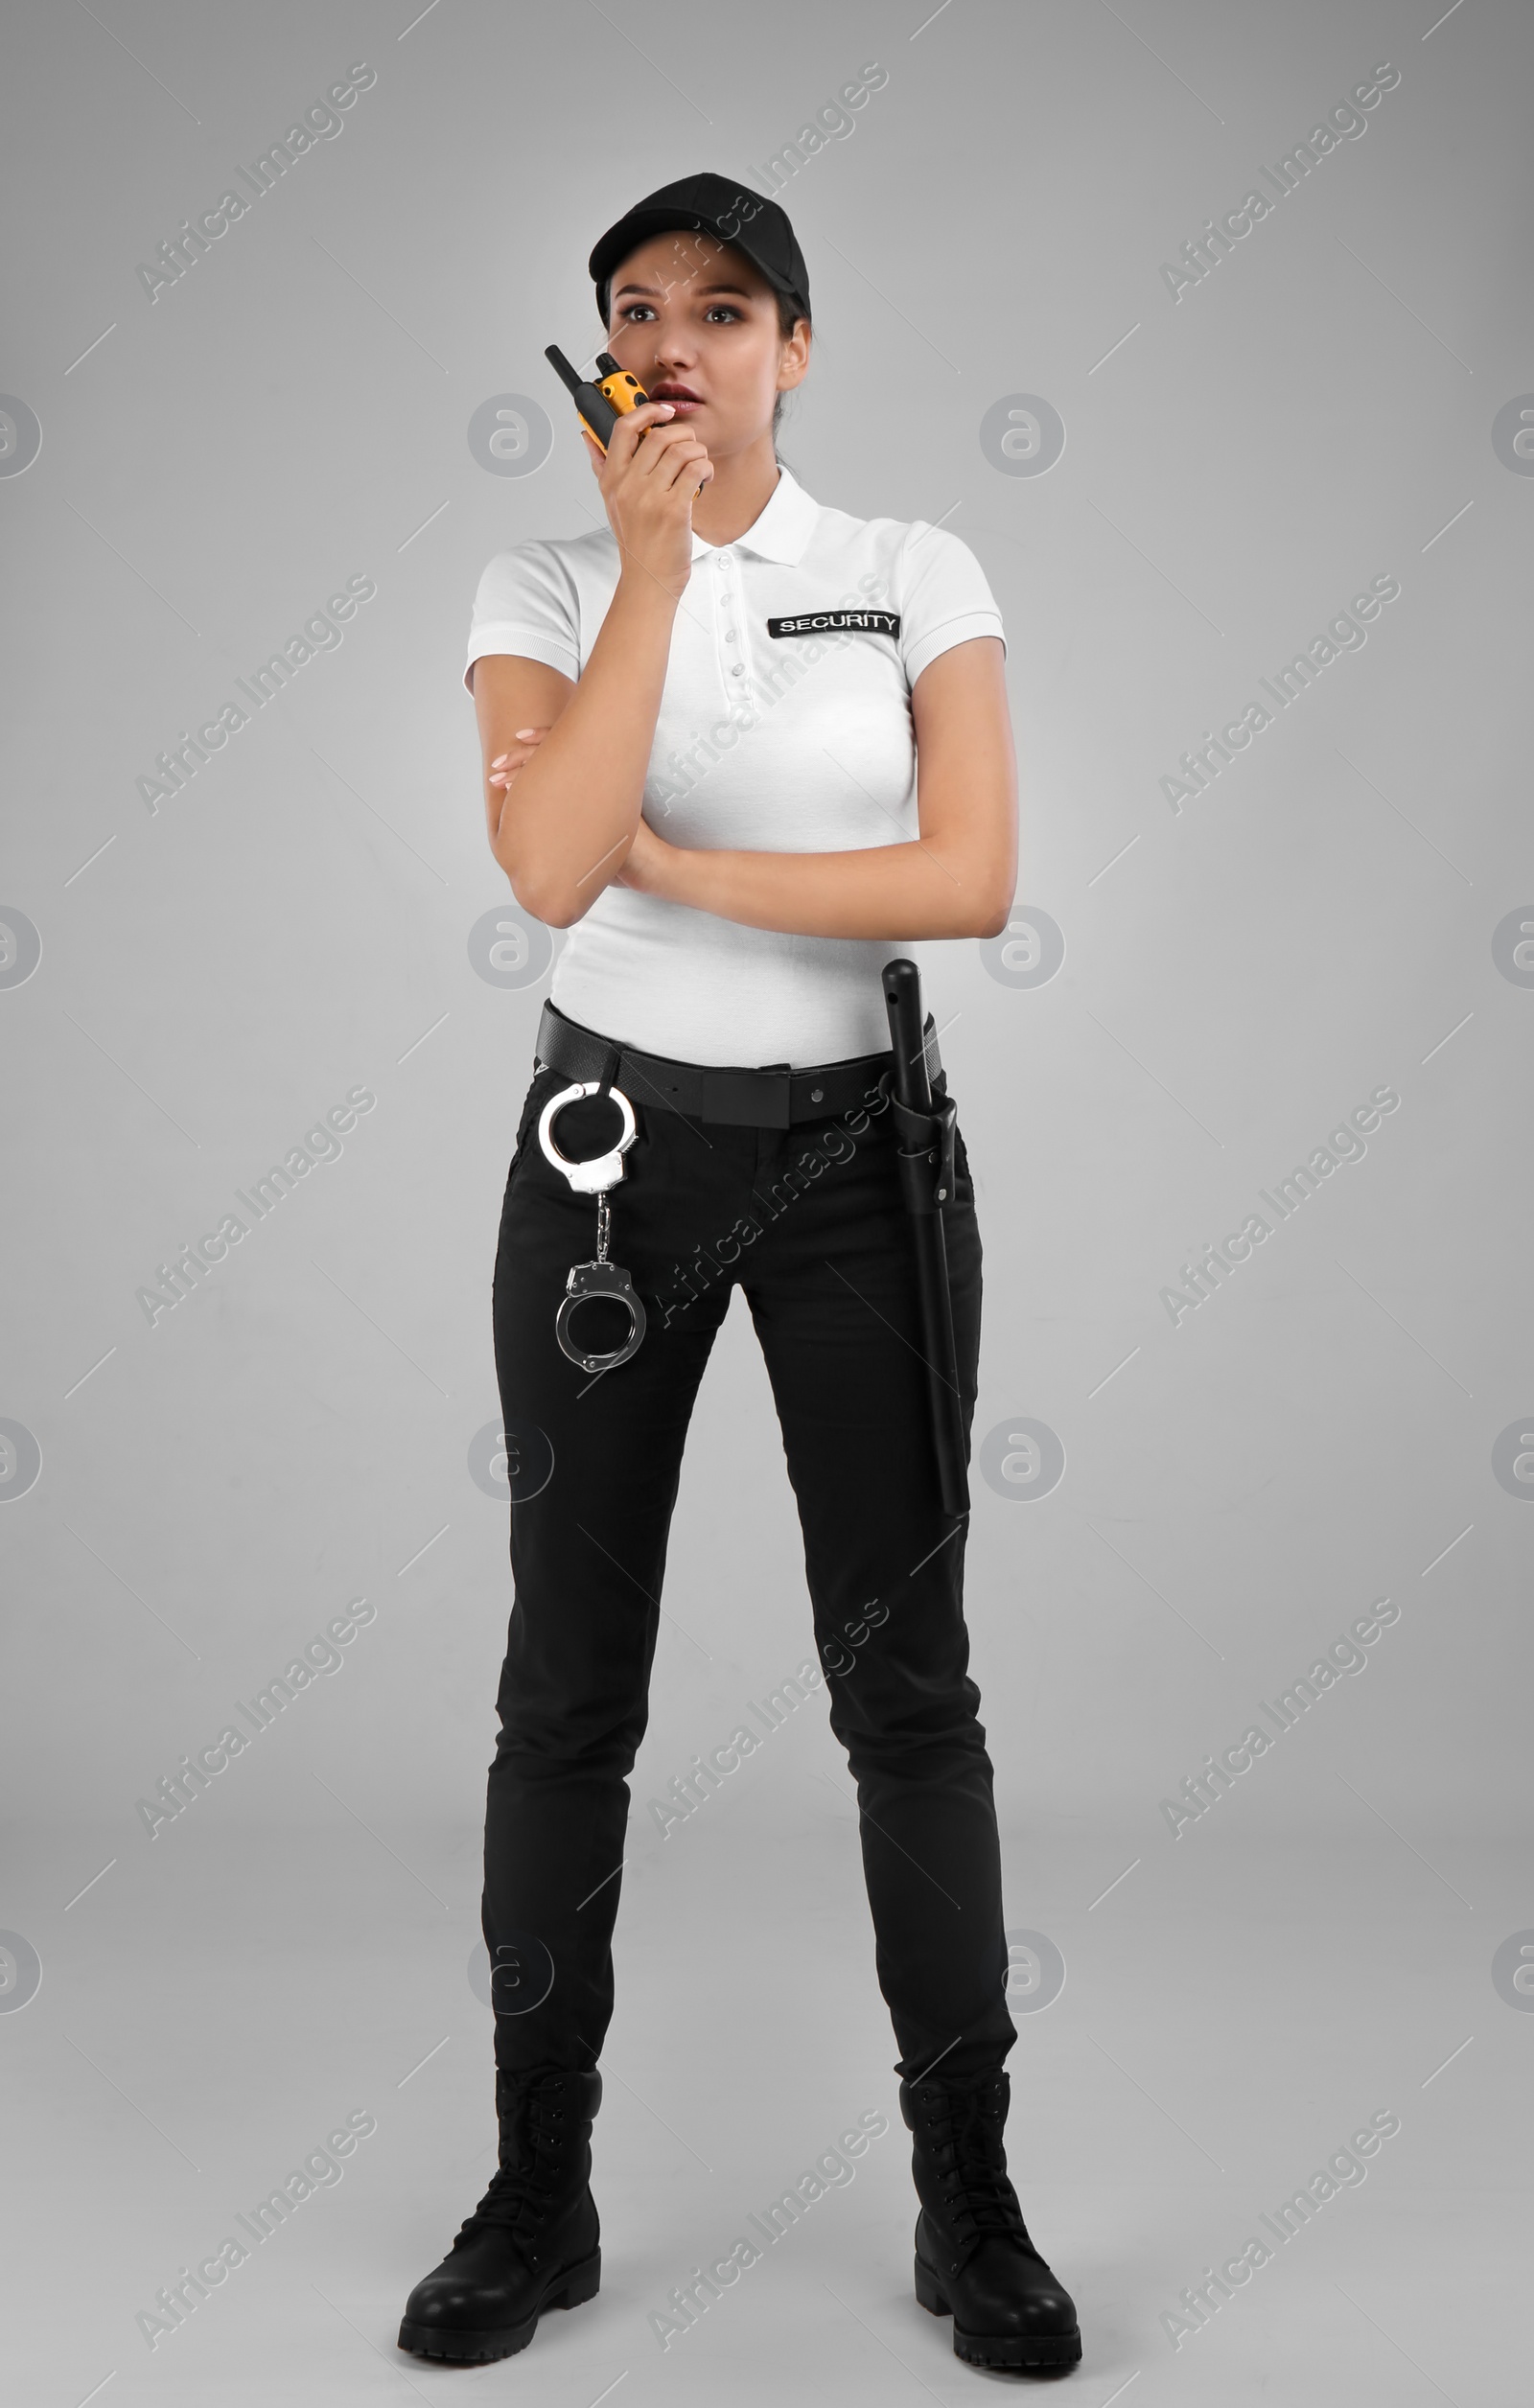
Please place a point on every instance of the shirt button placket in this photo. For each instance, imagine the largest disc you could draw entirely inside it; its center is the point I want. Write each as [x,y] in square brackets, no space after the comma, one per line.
[733,611]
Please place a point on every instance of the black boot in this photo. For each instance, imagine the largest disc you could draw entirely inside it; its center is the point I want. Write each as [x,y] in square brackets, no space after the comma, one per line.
[531,2244]
[974,2259]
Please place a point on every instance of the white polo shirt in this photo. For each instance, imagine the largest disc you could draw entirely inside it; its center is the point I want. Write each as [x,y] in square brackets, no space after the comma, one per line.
[776,733]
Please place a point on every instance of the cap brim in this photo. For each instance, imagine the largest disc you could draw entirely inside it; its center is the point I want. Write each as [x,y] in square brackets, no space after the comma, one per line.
[639,224]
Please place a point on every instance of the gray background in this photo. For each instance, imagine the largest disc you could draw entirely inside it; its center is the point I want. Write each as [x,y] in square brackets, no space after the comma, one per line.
[214,976]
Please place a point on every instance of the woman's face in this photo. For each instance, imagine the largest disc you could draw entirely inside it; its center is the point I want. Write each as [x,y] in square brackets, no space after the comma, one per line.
[697,323]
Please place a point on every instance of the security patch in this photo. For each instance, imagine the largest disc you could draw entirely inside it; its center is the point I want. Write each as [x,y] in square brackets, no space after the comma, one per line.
[835,622]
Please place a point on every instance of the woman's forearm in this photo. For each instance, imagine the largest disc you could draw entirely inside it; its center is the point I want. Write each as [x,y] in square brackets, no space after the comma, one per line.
[570,814]
[883,891]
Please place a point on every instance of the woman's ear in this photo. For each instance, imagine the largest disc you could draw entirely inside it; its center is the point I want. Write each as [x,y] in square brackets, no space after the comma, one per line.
[794,365]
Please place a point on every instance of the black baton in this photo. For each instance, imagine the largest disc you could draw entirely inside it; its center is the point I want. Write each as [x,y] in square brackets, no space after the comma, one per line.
[925,1127]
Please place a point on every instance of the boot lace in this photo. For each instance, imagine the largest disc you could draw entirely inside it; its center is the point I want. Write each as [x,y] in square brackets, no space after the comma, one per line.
[963,2126]
[534,2128]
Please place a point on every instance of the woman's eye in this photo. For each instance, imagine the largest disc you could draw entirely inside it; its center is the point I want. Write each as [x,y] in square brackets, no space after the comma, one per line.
[723,309]
[630,313]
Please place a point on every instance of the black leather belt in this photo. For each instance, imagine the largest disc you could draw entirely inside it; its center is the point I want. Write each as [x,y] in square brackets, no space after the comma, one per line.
[773,1095]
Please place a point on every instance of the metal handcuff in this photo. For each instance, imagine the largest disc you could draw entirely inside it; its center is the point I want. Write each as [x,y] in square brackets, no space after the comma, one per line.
[594,1177]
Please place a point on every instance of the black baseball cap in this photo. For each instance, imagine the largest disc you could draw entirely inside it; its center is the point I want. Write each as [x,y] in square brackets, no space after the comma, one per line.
[709,205]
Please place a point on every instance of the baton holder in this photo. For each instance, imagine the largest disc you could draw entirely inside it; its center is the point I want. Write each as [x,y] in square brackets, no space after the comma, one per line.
[926,1127]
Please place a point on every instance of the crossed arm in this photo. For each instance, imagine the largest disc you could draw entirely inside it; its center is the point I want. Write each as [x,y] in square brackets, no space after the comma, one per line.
[957,878]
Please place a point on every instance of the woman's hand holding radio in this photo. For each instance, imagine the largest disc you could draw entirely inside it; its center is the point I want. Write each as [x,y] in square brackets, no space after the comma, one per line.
[649,476]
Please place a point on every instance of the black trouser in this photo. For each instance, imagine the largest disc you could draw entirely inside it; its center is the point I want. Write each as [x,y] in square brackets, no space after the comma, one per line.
[810,1222]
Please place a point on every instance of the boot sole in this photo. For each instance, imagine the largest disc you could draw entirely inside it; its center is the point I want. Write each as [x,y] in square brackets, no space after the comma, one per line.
[998,2349]
[571,2289]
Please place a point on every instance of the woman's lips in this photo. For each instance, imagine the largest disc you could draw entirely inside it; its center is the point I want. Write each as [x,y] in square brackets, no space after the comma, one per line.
[683,404]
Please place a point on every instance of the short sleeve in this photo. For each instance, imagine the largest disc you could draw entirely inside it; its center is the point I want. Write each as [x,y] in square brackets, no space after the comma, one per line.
[526,603]
[944,599]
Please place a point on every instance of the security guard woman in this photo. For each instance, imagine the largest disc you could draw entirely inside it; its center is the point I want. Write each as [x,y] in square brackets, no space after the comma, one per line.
[702,725]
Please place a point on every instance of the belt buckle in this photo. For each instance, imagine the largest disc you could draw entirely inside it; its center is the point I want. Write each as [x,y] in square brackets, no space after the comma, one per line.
[746,1096]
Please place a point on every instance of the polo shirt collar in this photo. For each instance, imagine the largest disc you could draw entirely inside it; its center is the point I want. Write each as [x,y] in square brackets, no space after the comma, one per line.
[782,530]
